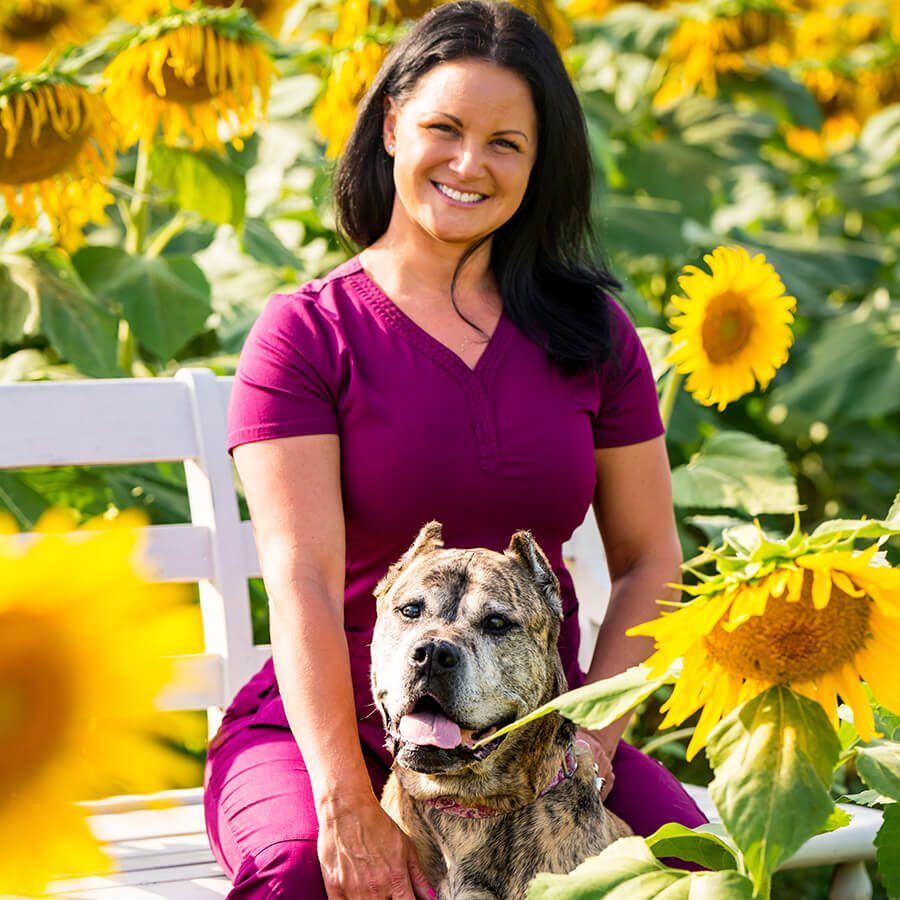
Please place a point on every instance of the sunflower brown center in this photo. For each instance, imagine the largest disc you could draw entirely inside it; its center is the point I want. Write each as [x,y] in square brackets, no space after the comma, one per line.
[177,88]
[793,642]
[754,29]
[257,7]
[727,326]
[34,699]
[31,21]
[50,154]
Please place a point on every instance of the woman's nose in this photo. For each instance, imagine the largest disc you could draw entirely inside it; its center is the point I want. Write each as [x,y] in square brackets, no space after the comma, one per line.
[468,161]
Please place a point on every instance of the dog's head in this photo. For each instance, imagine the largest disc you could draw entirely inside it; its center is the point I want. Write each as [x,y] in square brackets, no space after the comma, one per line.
[465,642]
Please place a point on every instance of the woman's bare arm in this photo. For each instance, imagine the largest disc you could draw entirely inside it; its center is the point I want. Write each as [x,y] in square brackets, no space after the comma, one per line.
[293,490]
[633,507]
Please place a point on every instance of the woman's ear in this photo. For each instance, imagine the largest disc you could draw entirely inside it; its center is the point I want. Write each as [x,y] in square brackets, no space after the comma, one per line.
[390,125]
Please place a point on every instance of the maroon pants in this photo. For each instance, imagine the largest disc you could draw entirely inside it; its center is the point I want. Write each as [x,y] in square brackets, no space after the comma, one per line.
[262,823]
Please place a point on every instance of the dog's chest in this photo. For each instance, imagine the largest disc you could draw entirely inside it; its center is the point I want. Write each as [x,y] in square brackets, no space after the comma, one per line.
[497,858]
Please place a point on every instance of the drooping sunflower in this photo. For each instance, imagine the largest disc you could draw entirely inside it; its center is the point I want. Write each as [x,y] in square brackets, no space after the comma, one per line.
[352,73]
[33,30]
[81,633]
[734,327]
[710,41]
[197,75]
[269,13]
[57,150]
[808,612]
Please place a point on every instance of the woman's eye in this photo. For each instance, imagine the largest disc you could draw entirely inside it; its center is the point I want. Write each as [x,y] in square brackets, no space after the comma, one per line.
[411,610]
[444,127]
[496,624]
[507,145]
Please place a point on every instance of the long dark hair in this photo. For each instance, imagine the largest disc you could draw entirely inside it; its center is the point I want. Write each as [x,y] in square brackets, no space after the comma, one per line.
[544,258]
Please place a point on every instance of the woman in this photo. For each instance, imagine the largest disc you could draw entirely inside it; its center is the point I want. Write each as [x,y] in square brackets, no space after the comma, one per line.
[469,367]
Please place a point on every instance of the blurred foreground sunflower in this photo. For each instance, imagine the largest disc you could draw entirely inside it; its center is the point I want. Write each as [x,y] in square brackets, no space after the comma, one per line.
[192,75]
[33,30]
[81,632]
[57,149]
[734,327]
[808,612]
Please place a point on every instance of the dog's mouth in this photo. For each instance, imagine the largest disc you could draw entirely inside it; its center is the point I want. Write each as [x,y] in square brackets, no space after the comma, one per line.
[428,725]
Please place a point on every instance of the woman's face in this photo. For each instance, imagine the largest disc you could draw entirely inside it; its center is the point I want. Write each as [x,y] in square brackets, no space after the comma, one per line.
[464,143]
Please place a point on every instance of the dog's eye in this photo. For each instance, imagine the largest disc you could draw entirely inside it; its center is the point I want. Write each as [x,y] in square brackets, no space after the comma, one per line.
[496,624]
[411,610]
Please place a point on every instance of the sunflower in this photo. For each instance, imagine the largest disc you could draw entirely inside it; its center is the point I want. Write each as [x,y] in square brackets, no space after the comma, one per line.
[32,30]
[734,327]
[808,612]
[352,73]
[269,13]
[191,75]
[57,148]
[81,632]
[709,42]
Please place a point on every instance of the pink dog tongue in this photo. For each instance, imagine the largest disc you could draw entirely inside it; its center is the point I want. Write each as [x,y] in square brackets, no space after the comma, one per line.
[430,728]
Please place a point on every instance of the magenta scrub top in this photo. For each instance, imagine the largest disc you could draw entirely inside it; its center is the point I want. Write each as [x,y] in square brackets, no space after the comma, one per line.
[507,445]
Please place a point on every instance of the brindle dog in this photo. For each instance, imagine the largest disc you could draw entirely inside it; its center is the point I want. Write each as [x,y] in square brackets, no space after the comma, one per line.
[465,643]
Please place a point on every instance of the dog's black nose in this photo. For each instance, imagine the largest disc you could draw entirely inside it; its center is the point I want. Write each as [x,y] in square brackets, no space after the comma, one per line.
[438,656]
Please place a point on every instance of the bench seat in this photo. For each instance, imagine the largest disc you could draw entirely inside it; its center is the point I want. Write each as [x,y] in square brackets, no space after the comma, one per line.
[160,847]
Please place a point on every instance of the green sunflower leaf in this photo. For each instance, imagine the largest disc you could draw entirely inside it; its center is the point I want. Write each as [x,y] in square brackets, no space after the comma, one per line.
[15,308]
[166,300]
[595,705]
[887,846]
[773,759]
[202,181]
[734,470]
[703,848]
[879,766]
[627,870]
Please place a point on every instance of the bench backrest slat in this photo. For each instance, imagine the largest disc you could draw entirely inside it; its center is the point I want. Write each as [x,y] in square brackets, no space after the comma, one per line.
[122,421]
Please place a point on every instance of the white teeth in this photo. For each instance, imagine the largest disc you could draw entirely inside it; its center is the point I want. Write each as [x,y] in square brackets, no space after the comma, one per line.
[458,195]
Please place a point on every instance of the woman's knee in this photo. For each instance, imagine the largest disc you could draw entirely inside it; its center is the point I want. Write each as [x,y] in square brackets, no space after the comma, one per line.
[288,868]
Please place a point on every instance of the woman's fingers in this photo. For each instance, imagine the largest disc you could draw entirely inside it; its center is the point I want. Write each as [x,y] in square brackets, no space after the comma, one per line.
[420,885]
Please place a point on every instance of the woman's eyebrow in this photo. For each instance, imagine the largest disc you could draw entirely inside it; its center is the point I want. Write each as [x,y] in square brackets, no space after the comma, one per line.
[457,121]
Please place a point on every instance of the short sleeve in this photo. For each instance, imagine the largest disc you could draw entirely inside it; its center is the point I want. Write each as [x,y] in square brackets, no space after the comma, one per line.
[286,379]
[629,407]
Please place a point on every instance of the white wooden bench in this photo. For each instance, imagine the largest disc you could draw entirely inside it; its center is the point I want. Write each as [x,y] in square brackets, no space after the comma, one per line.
[159,841]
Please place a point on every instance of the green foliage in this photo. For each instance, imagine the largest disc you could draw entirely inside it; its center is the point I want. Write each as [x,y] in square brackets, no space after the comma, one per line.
[200,181]
[736,471]
[627,870]
[879,766]
[595,705]
[771,791]
[887,843]
[166,300]
[701,847]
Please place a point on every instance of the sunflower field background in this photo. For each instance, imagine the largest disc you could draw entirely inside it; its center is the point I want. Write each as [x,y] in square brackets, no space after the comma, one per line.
[166,166]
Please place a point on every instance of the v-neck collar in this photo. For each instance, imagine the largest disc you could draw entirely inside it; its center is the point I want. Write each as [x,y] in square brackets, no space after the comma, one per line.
[394,316]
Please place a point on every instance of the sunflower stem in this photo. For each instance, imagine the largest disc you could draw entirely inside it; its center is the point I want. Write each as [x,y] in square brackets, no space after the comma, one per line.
[670,737]
[168,232]
[670,392]
[140,206]
[125,351]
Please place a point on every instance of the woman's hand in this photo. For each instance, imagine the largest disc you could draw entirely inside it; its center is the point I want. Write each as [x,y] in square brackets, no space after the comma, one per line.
[363,854]
[602,758]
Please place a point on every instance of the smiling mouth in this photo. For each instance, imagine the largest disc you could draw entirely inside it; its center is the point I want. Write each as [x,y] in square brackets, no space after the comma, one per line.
[427,725]
[459,196]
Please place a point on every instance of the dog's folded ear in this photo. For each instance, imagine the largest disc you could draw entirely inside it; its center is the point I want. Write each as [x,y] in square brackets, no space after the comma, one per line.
[523,548]
[429,538]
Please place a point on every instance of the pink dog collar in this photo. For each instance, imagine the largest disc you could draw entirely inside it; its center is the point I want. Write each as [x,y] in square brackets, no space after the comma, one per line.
[449,805]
